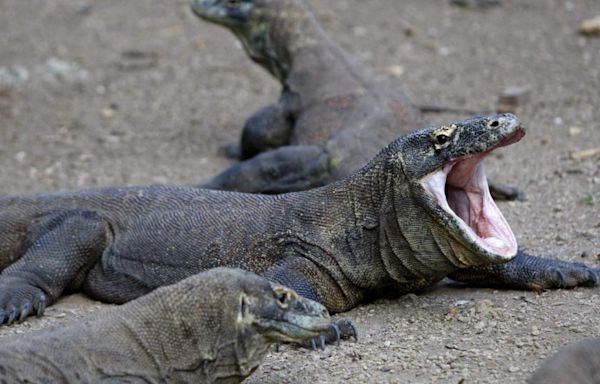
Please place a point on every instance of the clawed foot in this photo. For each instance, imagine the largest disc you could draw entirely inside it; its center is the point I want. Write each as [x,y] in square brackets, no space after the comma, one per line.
[501,191]
[567,275]
[18,300]
[341,329]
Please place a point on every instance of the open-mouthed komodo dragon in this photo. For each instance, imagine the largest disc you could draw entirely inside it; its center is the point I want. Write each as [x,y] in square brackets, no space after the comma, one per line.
[331,118]
[577,363]
[418,212]
[213,327]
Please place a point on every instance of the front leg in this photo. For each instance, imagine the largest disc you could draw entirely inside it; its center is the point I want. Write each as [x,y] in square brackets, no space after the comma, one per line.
[268,128]
[59,251]
[291,168]
[311,281]
[530,272]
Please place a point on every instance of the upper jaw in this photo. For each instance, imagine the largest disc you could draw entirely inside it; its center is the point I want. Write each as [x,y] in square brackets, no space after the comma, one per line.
[298,327]
[461,193]
[209,11]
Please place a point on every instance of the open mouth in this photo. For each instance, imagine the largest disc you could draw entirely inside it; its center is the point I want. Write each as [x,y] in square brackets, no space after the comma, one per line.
[462,190]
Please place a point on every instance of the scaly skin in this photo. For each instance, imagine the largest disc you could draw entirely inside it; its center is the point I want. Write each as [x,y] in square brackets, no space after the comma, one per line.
[212,327]
[578,363]
[331,118]
[379,229]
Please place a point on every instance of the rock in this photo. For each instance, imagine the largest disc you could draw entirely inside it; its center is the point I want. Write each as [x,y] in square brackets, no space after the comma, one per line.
[585,154]
[590,27]
[107,113]
[513,97]
[135,60]
[485,306]
[60,70]
[574,131]
[462,303]
[476,3]
[395,70]
[13,76]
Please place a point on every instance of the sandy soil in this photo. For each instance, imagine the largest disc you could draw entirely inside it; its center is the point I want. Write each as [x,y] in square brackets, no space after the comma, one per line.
[114,92]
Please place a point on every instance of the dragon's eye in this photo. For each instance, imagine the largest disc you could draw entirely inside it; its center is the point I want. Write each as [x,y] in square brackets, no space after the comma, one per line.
[442,137]
[284,296]
[233,3]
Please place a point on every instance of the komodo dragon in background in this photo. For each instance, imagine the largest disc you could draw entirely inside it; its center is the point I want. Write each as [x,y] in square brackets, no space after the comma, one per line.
[215,326]
[418,212]
[331,118]
[577,363]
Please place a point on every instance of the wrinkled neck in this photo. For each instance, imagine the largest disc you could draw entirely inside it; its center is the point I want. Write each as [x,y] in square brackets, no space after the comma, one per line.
[301,55]
[178,341]
[411,246]
[415,245]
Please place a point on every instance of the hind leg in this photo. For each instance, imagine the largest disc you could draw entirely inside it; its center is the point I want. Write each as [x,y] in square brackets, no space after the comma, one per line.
[111,286]
[286,169]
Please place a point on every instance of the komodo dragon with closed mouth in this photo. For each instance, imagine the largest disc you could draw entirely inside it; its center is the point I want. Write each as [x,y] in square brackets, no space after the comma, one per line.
[577,363]
[418,212]
[215,326]
[331,118]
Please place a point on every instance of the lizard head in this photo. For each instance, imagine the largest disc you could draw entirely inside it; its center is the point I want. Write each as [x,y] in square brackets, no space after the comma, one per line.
[263,26]
[229,318]
[446,178]
[229,13]
[280,314]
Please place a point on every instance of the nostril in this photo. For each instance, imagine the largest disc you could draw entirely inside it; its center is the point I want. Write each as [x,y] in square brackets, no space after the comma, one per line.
[494,123]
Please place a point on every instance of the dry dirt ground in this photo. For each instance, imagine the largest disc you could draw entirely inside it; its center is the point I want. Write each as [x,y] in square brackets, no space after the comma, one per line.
[121,92]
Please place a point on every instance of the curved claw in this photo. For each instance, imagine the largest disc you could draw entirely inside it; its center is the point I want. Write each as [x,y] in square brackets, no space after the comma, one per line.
[41,305]
[20,299]
[12,315]
[337,331]
[322,342]
[25,310]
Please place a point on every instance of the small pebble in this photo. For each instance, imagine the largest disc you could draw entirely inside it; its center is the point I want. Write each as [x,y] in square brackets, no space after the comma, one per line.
[395,70]
[574,131]
[585,154]
[590,27]
[107,113]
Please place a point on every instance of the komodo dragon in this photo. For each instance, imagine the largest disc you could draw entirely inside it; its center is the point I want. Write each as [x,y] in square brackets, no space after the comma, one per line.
[331,118]
[215,326]
[419,211]
[577,363]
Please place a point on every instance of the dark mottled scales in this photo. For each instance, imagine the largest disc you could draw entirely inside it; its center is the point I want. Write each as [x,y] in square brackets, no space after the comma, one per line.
[331,119]
[376,229]
[194,331]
